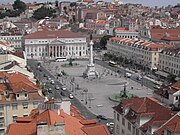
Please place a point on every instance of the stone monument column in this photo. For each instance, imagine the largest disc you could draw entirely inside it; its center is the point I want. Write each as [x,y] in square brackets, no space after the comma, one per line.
[90,72]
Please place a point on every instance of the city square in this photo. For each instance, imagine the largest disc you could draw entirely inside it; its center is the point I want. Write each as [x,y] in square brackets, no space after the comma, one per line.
[95,93]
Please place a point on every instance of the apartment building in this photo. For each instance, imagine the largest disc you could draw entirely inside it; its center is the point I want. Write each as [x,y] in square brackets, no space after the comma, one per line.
[168,94]
[140,52]
[169,61]
[15,40]
[140,116]
[18,96]
[54,44]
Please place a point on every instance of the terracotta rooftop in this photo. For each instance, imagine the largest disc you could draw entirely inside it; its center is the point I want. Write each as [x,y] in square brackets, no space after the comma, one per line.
[176,86]
[173,125]
[139,43]
[73,125]
[165,34]
[145,107]
[45,34]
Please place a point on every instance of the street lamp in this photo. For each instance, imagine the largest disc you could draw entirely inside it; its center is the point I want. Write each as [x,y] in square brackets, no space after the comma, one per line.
[86,98]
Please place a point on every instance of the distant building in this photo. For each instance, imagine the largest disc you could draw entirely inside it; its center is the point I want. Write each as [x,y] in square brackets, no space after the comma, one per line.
[139,52]
[169,61]
[55,44]
[125,33]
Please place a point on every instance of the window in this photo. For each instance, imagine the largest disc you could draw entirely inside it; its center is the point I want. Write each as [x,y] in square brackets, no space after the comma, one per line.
[168,132]
[14,106]
[129,126]
[25,94]
[122,132]
[137,132]
[117,116]
[35,104]
[25,105]
[123,121]
[14,118]
[117,129]
[17,95]
[1,107]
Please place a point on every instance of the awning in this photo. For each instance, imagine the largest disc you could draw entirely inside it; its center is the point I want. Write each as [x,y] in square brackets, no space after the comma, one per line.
[161,73]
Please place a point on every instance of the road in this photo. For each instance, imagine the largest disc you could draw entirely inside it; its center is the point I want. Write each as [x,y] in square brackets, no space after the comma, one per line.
[144,81]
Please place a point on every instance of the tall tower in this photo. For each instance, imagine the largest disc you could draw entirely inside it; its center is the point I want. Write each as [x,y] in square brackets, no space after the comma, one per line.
[90,72]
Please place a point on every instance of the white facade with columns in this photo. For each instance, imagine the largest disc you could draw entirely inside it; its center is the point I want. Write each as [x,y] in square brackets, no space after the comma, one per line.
[55,45]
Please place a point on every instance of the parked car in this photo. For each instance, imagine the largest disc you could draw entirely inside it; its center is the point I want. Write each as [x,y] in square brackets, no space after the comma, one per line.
[63,88]
[50,90]
[52,82]
[128,75]
[71,96]
[101,117]
[57,87]
[157,87]
[45,75]
[111,124]
[48,78]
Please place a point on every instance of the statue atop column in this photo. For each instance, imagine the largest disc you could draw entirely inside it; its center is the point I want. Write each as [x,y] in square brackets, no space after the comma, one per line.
[90,72]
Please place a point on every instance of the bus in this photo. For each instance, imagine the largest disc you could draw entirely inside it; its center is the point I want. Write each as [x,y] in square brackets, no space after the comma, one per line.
[113,64]
[60,59]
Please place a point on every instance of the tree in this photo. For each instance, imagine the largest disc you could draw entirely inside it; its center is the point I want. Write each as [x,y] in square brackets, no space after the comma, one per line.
[43,12]
[19,5]
[103,41]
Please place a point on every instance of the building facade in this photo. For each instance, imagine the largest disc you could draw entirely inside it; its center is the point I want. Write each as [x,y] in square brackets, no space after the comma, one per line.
[55,44]
[125,33]
[15,41]
[139,116]
[169,61]
[140,52]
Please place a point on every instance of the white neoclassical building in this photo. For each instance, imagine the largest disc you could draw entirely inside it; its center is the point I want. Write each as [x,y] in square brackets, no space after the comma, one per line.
[140,52]
[124,33]
[55,44]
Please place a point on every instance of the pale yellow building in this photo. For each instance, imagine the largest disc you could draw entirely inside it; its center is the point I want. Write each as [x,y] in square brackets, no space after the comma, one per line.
[18,96]
[140,52]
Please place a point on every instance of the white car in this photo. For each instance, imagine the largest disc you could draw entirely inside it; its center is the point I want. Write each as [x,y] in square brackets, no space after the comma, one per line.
[71,96]
[111,124]
[64,88]
[52,81]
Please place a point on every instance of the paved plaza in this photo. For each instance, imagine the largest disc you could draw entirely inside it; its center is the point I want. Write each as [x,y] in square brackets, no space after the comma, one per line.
[94,93]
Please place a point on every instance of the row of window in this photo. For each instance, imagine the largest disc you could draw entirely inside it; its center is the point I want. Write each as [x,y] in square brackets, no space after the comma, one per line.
[15,106]
[122,36]
[10,38]
[45,41]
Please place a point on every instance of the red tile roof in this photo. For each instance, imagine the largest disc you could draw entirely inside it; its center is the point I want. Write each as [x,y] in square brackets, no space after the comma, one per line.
[176,86]
[96,130]
[22,129]
[173,125]
[144,107]
[45,34]
[73,125]
[165,34]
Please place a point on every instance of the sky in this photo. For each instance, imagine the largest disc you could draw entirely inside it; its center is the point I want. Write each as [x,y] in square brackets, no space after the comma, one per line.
[151,3]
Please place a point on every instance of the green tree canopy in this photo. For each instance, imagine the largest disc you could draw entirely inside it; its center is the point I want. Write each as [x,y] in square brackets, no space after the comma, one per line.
[103,41]
[19,5]
[43,12]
